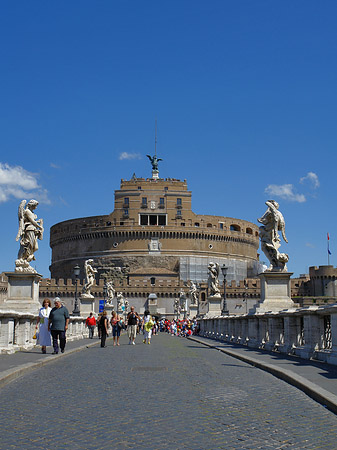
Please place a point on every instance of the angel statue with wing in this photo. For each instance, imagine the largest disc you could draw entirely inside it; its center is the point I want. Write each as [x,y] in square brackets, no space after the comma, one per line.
[154,161]
[272,222]
[30,230]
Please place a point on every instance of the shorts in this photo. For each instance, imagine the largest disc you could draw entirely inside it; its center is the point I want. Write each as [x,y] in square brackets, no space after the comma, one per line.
[116,331]
[132,331]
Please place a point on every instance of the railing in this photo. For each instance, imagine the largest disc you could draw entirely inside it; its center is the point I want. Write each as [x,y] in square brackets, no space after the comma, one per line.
[17,330]
[305,332]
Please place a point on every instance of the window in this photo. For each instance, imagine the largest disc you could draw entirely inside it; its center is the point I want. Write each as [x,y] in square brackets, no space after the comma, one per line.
[144,218]
[179,202]
[162,220]
[152,219]
[178,213]
[126,213]
[144,202]
[182,224]
[235,228]
[197,224]
[249,231]
[221,225]
[153,281]
[126,201]
[139,188]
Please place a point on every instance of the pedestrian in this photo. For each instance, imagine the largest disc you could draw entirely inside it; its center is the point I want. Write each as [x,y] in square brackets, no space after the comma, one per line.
[44,338]
[98,325]
[91,323]
[58,325]
[147,327]
[116,327]
[132,319]
[104,326]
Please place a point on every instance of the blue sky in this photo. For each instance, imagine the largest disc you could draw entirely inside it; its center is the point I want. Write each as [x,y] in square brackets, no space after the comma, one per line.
[244,93]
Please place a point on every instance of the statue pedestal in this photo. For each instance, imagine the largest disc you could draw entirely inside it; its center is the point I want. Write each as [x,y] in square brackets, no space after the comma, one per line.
[109,308]
[193,311]
[87,305]
[214,305]
[275,292]
[23,292]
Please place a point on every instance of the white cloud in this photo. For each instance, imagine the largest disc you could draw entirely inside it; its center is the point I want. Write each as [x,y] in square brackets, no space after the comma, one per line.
[127,155]
[285,191]
[308,244]
[19,183]
[54,166]
[312,178]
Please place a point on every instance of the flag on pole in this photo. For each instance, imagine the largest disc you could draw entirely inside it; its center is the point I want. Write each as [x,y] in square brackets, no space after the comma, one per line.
[329,253]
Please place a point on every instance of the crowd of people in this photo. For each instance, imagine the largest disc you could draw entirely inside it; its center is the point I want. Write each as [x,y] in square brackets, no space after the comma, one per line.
[52,325]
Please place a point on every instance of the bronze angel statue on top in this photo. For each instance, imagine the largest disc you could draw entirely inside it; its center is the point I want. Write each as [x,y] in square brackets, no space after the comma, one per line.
[154,161]
[30,230]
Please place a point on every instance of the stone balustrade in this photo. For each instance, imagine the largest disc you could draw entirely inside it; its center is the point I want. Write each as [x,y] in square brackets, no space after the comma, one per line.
[17,330]
[305,332]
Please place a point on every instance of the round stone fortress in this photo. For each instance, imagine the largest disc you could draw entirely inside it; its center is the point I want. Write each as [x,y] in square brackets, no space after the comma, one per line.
[153,231]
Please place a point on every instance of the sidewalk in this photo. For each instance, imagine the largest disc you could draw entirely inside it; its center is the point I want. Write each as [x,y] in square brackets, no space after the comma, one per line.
[318,380]
[14,365]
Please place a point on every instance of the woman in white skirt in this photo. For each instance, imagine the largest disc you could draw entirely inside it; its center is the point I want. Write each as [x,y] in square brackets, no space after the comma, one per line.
[147,327]
[44,338]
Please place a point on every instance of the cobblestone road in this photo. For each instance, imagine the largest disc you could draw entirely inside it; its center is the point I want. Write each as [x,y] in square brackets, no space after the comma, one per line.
[172,394]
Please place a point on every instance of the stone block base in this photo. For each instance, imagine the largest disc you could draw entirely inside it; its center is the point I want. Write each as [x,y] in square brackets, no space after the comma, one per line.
[275,293]
[23,292]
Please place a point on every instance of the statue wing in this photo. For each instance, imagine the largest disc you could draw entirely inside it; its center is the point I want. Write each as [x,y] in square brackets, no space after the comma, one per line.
[21,220]
[282,226]
[150,157]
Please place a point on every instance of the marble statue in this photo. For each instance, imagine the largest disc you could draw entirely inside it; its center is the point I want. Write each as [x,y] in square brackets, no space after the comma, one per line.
[272,222]
[30,230]
[177,307]
[110,292]
[120,301]
[213,279]
[154,161]
[126,305]
[194,293]
[90,277]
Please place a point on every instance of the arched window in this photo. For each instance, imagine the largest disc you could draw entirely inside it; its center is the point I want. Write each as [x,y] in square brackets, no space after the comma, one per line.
[234,227]
[249,231]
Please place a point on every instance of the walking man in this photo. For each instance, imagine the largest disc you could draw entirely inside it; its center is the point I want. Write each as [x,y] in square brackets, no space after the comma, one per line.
[58,325]
[91,323]
[133,319]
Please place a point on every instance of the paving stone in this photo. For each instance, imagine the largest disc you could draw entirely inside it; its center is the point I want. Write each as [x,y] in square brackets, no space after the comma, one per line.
[172,394]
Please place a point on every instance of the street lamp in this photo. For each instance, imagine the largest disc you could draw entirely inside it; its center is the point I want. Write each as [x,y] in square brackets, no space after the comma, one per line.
[245,295]
[105,292]
[76,311]
[224,305]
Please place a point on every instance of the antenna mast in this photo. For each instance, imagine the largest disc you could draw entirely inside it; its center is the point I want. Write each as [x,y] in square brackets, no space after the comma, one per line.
[155,140]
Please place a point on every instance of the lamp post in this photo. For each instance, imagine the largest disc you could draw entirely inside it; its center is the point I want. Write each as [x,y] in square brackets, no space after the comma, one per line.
[105,292]
[245,295]
[224,305]
[76,311]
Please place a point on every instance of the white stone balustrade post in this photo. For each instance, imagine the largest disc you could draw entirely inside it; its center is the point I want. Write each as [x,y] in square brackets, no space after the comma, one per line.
[262,332]
[253,332]
[313,332]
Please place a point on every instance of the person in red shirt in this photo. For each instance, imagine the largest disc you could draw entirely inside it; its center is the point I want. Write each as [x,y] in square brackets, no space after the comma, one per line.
[91,323]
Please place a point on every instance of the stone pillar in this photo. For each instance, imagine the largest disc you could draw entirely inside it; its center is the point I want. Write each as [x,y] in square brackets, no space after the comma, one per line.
[193,311]
[275,331]
[275,292]
[291,333]
[253,332]
[313,333]
[332,359]
[23,292]
[87,305]
[214,305]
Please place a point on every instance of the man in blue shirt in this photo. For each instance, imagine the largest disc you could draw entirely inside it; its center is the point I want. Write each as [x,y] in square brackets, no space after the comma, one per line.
[58,325]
